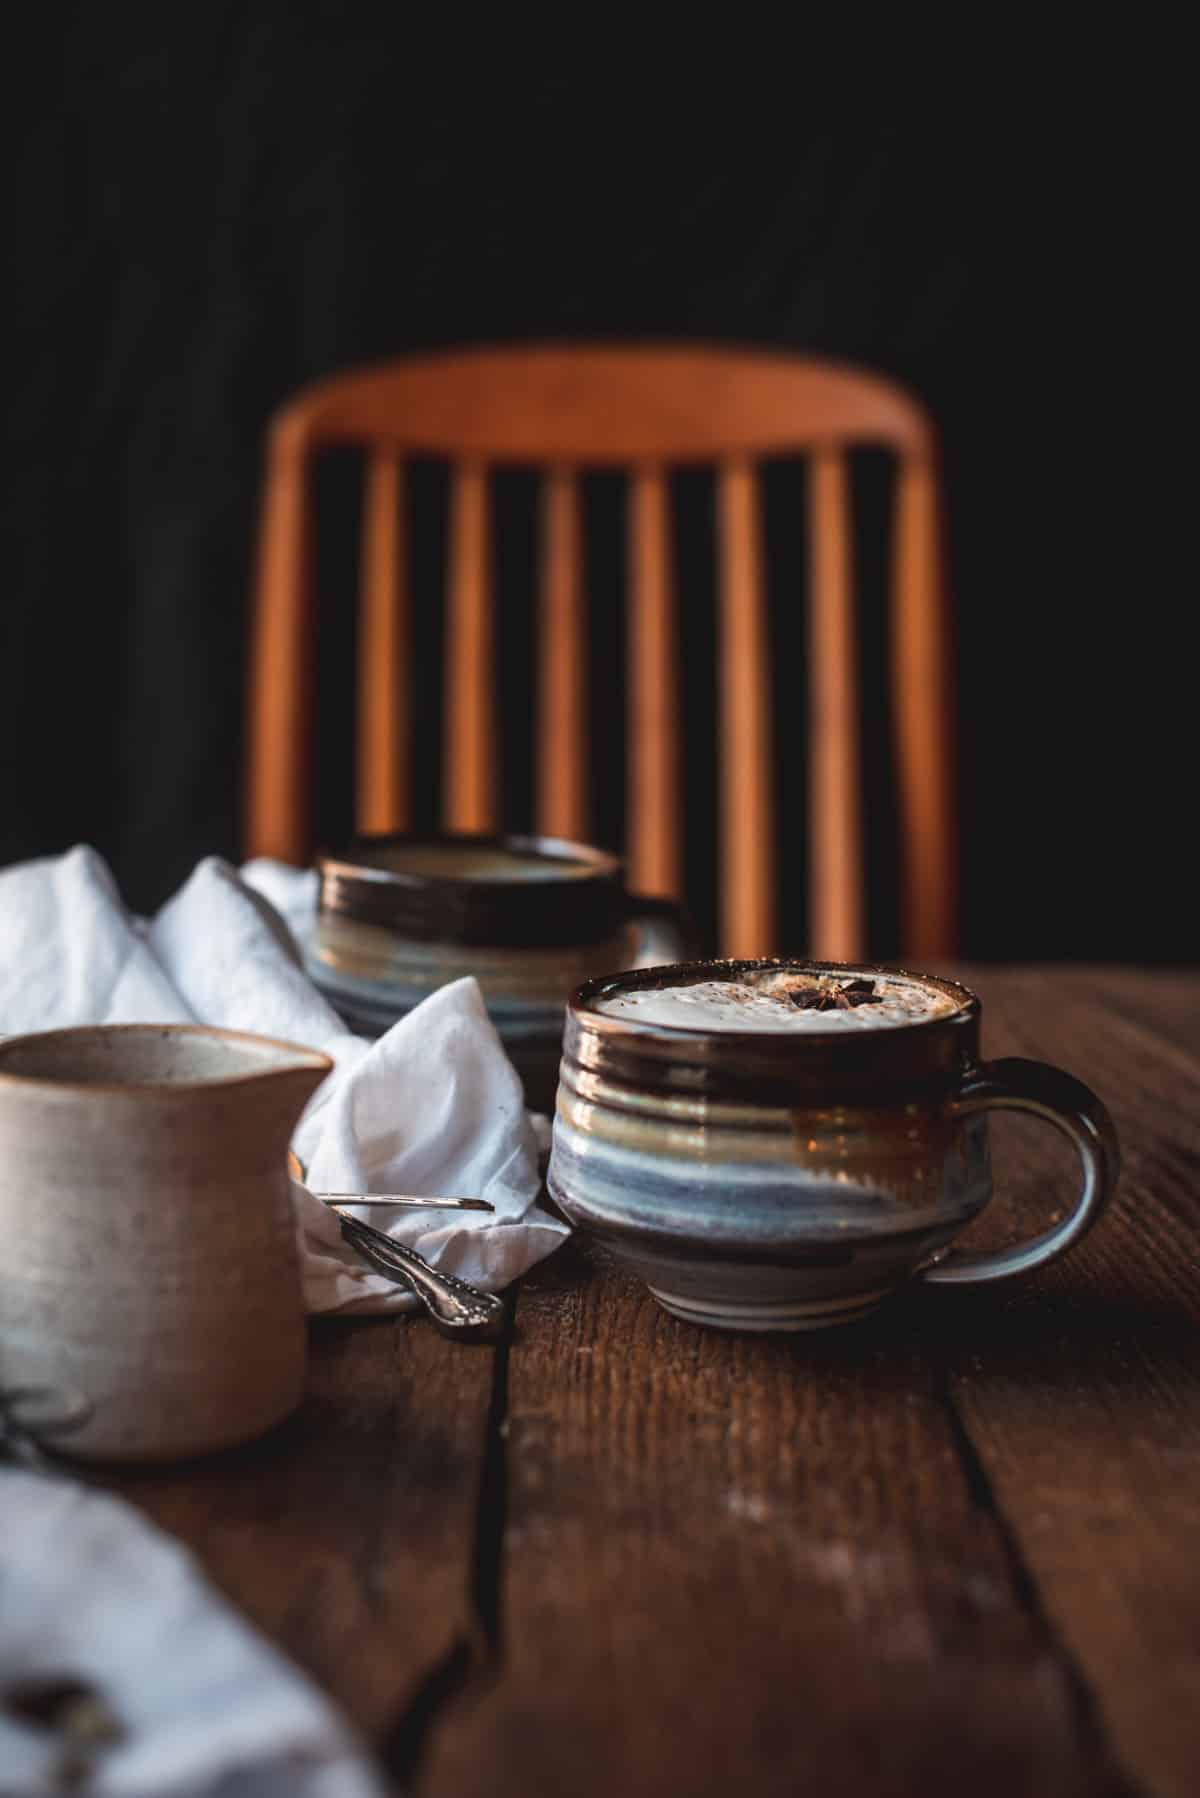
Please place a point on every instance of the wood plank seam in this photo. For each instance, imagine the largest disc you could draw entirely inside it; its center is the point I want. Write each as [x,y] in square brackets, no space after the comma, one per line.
[593,1483]
[470,1659]
[1083,1404]
[1082,1703]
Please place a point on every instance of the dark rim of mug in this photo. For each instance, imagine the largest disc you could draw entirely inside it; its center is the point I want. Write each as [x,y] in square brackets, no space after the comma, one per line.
[315,1060]
[579,899]
[767,1064]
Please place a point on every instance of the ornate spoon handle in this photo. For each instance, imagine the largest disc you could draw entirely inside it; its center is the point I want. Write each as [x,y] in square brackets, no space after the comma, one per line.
[451,1302]
[401,1199]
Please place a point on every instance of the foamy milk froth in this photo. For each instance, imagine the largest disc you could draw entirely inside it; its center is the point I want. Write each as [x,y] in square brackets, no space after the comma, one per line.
[779,1000]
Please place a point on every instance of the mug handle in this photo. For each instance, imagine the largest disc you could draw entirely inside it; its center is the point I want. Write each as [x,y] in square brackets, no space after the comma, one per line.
[663,932]
[1045,1092]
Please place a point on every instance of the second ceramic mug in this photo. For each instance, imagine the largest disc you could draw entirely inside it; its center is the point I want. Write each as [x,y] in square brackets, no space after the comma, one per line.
[787,1179]
[529,917]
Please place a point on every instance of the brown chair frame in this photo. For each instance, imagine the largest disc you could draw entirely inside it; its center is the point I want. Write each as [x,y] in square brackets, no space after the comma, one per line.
[645,409]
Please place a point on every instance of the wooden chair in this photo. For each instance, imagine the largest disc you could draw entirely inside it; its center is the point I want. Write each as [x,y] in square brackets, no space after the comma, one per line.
[643,409]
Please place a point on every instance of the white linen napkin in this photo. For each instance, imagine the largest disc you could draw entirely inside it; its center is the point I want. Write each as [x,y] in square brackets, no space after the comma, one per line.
[195,1704]
[433,1108]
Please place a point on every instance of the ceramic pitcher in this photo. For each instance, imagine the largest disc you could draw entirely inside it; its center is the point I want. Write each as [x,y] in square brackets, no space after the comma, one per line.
[150,1295]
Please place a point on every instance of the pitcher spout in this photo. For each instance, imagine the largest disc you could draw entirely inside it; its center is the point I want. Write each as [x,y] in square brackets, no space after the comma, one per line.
[278,1084]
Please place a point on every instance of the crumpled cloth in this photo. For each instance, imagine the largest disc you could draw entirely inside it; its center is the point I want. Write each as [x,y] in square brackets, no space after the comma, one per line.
[186,1700]
[432,1108]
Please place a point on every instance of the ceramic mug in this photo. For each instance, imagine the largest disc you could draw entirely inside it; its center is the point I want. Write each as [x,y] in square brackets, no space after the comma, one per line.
[780,1178]
[150,1300]
[529,917]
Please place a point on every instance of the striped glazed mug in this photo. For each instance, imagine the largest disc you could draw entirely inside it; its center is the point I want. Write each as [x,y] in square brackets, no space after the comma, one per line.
[780,1145]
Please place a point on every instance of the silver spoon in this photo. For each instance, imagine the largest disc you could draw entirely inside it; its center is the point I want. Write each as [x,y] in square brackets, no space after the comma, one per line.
[453,1303]
[335,1199]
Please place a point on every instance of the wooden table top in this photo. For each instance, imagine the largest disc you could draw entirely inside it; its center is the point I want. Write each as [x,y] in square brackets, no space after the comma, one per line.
[954,1547]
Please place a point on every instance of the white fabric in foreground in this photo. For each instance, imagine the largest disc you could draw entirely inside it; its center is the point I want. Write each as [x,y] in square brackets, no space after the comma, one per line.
[433,1108]
[93,1593]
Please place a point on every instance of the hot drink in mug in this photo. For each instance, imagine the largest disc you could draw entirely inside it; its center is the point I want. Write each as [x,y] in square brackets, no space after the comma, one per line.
[780,1145]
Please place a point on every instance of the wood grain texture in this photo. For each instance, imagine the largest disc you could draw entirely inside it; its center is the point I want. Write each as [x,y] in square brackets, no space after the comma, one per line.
[280,687]
[470,787]
[837,886]
[347,1535]
[382,800]
[653,806]
[737,1564]
[1081,1389]
[746,785]
[1163,999]
[562,735]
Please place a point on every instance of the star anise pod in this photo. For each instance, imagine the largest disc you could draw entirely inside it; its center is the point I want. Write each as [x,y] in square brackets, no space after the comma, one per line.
[810,998]
[828,995]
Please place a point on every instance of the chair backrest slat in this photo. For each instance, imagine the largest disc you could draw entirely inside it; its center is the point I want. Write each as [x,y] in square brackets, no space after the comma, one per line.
[746,796]
[281,727]
[836,925]
[653,809]
[923,720]
[470,787]
[383,800]
[562,808]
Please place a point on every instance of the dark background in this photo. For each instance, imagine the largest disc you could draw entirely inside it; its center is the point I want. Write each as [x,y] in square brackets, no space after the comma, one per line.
[211,209]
